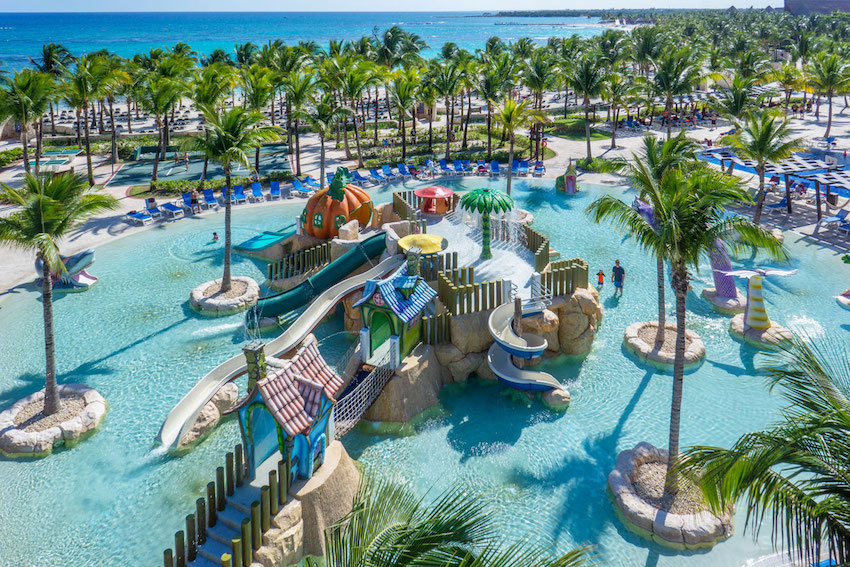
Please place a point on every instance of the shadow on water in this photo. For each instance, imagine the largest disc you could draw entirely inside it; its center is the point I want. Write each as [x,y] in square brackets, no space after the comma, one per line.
[611,301]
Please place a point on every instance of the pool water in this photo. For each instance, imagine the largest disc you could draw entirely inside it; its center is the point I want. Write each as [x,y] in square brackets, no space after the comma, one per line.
[112,501]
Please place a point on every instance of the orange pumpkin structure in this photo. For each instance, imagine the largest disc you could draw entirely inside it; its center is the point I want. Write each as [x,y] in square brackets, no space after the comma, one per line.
[336,205]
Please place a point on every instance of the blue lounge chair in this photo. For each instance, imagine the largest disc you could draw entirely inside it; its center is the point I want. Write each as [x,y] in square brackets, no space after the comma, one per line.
[515,167]
[209,198]
[402,170]
[523,168]
[838,218]
[444,168]
[539,169]
[845,226]
[139,218]
[377,177]
[311,182]
[151,208]
[458,167]
[172,210]
[285,191]
[359,179]
[239,194]
[257,192]
[494,169]
[274,190]
[299,190]
[467,166]
[187,201]
[781,205]
[388,173]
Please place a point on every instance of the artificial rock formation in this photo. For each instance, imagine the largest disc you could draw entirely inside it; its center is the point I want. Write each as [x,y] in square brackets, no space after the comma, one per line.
[210,415]
[680,531]
[632,340]
[216,306]
[413,388]
[16,442]
[762,338]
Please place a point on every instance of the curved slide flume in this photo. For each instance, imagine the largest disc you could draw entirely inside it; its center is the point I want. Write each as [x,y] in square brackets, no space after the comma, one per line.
[508,343]
[182,417]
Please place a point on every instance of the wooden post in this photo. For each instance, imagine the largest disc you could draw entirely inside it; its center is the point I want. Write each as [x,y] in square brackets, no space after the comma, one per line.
[256,534]
[179,549]
[211,504]
[281,479]
[274,490]
[228,473]
[247,554]
[191,537]
[240,465]
[265,508]
[201,515]
[220,502]
[236,551]
[226,560]
[167,558]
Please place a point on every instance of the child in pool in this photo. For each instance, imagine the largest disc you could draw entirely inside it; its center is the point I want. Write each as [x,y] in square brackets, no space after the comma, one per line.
[215,237]
[600,279]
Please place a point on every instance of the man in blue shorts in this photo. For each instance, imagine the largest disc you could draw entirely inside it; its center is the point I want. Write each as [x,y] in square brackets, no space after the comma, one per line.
[618,274]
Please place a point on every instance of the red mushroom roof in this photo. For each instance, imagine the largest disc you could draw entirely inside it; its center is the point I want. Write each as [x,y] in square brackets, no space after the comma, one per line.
[434,192]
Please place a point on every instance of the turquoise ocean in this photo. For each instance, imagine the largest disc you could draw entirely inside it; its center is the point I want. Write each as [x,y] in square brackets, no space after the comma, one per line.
[22,35]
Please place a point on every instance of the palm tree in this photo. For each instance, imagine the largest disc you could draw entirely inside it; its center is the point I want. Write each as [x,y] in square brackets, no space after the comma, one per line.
[50,207]
[258,90]
[355,80]
[737,99]
[158,96]
[690,215]
[788,78]
[299,88]
[445,78]
[512,116]
[795,471]
[227,138]
[324,113]
[81,88]
[617,91]
[829,75]
[762,137]
[587,78]
[404,92]
[486,201]
[389,526]
[676,73]
[24,99]
[537,76]
[55,57]
[489,89]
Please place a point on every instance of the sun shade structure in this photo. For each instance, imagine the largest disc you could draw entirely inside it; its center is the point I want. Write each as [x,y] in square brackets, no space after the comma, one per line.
[486,201]
[435,199]
[427,243]
[290,411]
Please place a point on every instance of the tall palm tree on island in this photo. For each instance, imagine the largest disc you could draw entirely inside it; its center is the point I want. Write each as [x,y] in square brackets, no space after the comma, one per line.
[513,116]
[24,99]
[689,217]
[793,473]
[48,209]
[587,77]
[228,138]
[325,112]
[763,137]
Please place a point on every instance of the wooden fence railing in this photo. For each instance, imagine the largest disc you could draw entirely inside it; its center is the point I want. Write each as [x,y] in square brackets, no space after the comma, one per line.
[539,245]
[403,207]
[300,262]
[227,480]
[565,276]
[430,266]
[437,329]
[460,294]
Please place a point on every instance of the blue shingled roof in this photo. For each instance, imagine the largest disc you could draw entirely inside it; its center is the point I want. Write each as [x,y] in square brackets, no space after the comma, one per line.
[390,289]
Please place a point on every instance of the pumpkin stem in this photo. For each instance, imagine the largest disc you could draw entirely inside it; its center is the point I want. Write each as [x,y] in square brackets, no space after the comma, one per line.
[341,179]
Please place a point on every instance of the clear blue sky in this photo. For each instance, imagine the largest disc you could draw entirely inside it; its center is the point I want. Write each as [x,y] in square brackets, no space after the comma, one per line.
[358,5]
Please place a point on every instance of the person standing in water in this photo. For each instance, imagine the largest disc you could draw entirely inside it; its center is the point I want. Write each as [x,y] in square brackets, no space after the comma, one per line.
[215,237]
[600,279]
[618,274]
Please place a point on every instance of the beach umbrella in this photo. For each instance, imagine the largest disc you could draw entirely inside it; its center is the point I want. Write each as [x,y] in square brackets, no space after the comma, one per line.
[486,201]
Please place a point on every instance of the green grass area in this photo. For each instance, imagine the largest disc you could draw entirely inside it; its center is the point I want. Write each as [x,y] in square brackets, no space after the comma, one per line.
[572,128]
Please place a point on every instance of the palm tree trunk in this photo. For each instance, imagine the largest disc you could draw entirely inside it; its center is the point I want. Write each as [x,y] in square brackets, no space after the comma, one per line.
[510,162]
[614,131]
[297,150]
[39,143]
[204,172]
[322,161]
[357,144]
[272,109]
[129,118]
[288,124]
[88,147]
[257,161]
[760,196]
[489,137]
[669,118]
[165,136]
[485,236]
[377,104]
[114,145]
[430,132]
[468,116]
[155,170]
[225,279]
[25,144]
[403,136]
[345,137]
[586,127]
[662,308]
[53,119]
[448,130]
[77,128]
[680,288]
[829,119]
[51,391]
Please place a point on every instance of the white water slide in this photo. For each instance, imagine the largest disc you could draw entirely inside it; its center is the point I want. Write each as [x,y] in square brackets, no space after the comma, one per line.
[508,343]
[181,419]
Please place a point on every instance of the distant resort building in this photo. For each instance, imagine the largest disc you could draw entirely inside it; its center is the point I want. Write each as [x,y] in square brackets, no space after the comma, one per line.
[798,7]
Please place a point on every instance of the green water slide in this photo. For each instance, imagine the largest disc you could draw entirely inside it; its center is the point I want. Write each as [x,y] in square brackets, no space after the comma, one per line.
[302,294]
[262,241]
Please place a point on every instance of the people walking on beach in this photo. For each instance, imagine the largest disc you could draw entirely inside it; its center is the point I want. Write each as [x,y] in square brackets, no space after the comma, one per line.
[618,275]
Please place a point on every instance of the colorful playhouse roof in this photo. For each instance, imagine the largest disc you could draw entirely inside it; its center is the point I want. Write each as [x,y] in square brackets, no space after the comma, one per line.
[389,291]
[293,393]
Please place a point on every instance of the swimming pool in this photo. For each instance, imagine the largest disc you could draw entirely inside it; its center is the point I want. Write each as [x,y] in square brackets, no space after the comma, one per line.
[110,501]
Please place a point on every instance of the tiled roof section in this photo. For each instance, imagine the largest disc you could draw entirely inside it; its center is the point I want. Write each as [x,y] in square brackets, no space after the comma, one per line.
[405,308]
[293,393]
